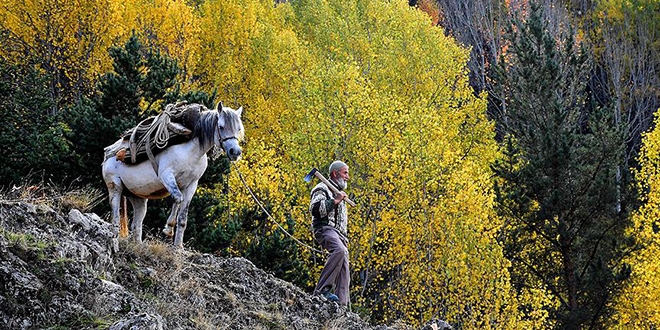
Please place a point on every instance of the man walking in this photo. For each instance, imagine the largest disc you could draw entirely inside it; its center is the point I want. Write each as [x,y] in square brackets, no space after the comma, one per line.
[330,221]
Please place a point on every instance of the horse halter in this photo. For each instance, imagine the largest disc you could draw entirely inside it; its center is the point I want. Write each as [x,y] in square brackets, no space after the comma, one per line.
[222,140]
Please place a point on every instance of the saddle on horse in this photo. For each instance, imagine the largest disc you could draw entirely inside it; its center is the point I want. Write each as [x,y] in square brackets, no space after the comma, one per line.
[174,125]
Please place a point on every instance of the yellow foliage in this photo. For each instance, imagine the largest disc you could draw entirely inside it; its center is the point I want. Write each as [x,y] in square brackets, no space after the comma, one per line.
[370,82]
[170,25]
[70,39]
[637,306]
[373,83]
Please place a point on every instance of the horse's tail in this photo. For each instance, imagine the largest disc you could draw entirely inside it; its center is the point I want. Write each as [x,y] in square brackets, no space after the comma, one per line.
[123,218]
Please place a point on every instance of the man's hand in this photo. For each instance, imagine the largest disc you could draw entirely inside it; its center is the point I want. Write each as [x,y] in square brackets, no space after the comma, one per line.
[340,197]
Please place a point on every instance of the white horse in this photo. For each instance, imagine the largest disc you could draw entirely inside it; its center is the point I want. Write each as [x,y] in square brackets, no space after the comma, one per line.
[179,167]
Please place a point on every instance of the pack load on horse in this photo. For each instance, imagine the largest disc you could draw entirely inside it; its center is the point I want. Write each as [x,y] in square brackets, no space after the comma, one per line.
[166,155]
[152,135]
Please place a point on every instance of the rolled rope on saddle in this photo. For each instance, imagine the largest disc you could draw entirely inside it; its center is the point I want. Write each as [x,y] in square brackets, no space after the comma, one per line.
[173,126]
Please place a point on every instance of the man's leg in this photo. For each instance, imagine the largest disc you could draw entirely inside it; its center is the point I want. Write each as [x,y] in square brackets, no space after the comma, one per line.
[335,273]
[343,281]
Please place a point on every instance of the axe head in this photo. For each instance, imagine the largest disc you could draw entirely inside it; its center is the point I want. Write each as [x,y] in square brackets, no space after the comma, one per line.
[310,175]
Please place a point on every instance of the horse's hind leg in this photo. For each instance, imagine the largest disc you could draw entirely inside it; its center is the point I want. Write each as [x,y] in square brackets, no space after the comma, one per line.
[182,217]
[139,211]
[114,193]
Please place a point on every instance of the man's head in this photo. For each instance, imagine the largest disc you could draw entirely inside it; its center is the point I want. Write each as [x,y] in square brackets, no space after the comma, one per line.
[339,173]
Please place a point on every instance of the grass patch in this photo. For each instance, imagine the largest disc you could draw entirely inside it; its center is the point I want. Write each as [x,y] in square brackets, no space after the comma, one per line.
[60,197]
[153,251]
[272,321]
[23,244]
[88,322]
[84,321]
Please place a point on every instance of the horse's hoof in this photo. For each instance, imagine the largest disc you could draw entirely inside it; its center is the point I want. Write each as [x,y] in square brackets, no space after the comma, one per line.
[168,231]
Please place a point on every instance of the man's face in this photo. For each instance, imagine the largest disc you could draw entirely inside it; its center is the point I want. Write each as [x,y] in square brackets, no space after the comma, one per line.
[343,173]
[341,177]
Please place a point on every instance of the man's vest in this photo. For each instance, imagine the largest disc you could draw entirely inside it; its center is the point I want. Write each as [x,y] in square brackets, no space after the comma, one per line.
[325,212]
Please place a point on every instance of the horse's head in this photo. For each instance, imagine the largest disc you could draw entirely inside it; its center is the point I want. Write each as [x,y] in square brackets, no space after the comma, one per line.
[230,130]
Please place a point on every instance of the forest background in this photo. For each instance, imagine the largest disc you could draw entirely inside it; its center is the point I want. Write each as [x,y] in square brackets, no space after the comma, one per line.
[502,153]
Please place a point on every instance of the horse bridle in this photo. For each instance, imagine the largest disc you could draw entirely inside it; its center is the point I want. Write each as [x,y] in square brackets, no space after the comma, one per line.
[222,140]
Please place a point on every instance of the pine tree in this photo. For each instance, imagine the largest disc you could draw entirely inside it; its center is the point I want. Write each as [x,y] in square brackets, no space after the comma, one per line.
[34,140]
[119,89]
[557,186]
[141,79]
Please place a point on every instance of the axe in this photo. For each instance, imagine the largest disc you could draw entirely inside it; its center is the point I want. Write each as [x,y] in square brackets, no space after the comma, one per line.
[315,173]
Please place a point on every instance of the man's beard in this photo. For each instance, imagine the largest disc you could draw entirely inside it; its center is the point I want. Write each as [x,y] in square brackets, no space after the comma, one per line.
[340,183]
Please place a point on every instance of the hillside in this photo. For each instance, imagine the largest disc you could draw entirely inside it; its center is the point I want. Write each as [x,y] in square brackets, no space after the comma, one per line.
[60,272]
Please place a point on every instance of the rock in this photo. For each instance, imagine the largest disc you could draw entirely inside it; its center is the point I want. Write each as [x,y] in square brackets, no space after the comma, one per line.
[111,299]
[97,234]
[142,321]
[436,324]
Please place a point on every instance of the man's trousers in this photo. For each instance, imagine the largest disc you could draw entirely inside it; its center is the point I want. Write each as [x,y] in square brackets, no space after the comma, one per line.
[335,273]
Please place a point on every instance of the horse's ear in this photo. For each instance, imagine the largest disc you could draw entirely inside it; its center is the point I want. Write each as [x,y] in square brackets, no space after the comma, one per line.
[219,106]
[239,111]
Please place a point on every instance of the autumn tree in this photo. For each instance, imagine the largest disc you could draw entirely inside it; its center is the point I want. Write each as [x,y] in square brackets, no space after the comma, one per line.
[70,39]
[636,305]
[625,37]
[67,40]
[558,188]
[416,233]
[170,27]
[373,83]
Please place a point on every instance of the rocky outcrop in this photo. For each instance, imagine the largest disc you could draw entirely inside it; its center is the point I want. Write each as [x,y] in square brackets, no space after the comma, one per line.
[62,271]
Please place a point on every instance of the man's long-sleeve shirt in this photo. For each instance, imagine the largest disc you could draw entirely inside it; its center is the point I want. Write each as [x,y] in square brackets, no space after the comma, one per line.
[325,212]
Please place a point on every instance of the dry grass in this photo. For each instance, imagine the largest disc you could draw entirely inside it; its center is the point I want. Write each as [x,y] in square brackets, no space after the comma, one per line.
[401,325]
[269,320]
[59,197]
[203,322]
[157,252]
[337,323]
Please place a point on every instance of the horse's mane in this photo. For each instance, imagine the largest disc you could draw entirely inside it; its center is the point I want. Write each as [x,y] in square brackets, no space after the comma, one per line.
[205,128]
[208,122]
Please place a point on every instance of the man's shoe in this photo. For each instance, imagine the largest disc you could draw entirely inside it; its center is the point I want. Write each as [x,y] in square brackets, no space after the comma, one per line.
[330,296]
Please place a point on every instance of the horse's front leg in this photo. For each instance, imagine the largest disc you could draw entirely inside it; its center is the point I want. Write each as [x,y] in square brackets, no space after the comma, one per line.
[169,181]
[171,220]
[139,211]
[182,217]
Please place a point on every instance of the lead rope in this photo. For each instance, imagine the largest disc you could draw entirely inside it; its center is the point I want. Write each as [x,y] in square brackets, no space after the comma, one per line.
[270,217]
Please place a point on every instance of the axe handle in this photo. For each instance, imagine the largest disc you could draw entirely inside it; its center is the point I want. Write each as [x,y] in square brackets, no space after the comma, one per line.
[332,187]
